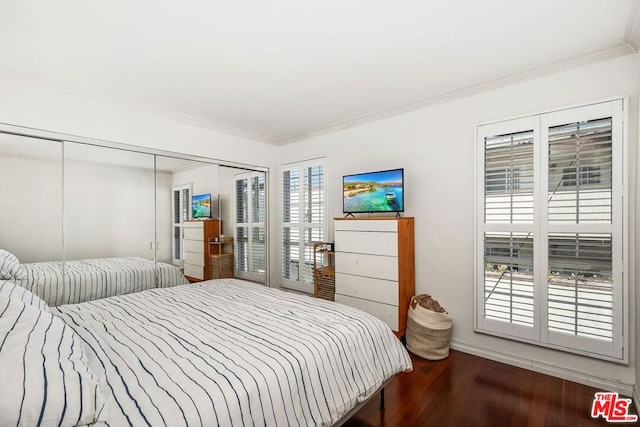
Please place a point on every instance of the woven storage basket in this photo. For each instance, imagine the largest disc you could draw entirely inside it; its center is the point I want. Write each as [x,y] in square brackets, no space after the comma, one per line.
[428,331]
[221,266]
[326,283]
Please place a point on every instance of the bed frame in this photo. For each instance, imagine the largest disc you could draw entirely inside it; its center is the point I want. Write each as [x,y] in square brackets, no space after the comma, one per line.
[359,406]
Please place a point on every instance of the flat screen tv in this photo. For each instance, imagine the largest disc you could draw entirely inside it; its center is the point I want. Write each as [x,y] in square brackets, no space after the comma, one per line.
[201,206]
[381,191]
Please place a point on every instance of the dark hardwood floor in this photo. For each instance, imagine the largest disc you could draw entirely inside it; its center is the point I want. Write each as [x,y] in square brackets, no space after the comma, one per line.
[466,390]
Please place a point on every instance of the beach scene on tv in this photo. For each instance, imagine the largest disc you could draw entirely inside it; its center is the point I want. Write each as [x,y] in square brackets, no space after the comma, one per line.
[201,206]
[374,192]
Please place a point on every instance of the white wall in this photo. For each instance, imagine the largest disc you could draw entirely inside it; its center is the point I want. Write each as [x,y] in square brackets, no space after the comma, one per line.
[436,147]
[40,106]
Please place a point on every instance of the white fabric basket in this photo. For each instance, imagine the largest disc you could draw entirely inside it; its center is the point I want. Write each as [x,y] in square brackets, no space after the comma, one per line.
[428,331]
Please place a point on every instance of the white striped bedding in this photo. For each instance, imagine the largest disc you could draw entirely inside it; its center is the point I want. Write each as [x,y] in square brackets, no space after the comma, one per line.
[227,352]
[90,279]
[9,289]
[45,379]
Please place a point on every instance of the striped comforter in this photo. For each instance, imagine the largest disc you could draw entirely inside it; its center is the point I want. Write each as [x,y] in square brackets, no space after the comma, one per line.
[227,352]
[90,279]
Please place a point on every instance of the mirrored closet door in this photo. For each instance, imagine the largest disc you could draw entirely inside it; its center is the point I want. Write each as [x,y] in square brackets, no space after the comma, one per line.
[81,212]
[31,194]
[109,203]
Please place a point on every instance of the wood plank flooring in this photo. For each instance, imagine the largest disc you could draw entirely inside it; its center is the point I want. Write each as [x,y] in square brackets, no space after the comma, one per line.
[466,390]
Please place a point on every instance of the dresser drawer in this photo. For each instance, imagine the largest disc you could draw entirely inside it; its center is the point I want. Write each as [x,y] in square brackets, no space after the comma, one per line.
[194,246]
[384,291]
[194,234]
[194,271]
[194,224]
[194,258]
[387,313]
[366,242]
[366,225]
[376,266]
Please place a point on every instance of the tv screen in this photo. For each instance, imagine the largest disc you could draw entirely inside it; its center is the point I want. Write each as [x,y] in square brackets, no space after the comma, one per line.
[201,206]
[381,191]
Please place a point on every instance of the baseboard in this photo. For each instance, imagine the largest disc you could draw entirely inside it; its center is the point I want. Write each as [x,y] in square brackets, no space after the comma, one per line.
[636,397]
[554,371]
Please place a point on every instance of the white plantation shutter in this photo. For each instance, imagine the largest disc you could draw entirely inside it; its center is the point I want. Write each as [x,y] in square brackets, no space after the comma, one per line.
[509,178]
[242,219]
[181,212]
[258,225]
[580,292]
[580,162]
[550,230]
[303,221]
[508,277]
[250,231]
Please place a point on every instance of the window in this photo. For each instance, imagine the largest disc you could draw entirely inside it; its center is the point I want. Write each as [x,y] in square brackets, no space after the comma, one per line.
[550,230]
[181,208]
[505,180]
[580,176]
[303,221]
[250,231]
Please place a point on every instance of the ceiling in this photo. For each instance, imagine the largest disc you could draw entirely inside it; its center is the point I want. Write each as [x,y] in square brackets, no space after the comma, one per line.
[280,71]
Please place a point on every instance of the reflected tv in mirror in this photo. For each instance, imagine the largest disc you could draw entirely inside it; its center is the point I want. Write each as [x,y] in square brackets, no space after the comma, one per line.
[201,206]
[381,191]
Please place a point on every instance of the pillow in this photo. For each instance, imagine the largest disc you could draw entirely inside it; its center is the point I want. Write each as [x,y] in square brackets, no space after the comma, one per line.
[10,266]
[15,291]
[45,374]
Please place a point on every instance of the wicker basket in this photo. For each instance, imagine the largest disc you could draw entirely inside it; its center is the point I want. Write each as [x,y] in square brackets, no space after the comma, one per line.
[325,283]
[428,329]
[221,266]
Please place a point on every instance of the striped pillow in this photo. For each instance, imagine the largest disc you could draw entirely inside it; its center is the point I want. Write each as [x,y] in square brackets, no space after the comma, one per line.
[15,291]
[10,266]
[45,374]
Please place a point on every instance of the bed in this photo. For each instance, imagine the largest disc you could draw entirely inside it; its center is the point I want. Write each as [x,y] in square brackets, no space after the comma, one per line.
[229,352]
[77,281]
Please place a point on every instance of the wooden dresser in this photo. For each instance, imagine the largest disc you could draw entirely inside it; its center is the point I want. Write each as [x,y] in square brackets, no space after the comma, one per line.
[374,265]
[197,260]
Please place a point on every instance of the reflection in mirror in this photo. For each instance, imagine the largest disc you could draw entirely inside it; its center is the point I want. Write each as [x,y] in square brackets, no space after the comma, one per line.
[182,180]
[249,220]
[109,203]
[224,239]
[91,221]
[110,224]
[31,193]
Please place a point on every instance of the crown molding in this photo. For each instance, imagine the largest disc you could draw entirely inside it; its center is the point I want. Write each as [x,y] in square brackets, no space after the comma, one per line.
[136,106]
[632,33]
[585,58]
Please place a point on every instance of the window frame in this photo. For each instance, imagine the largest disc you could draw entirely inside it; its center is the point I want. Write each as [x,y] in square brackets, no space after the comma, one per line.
[543,227]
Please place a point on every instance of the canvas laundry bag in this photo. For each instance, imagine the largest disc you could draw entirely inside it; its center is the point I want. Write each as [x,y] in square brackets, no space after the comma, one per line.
[428,328]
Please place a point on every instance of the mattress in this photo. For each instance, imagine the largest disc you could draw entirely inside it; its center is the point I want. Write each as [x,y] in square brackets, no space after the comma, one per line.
[229,352]
[84,280]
